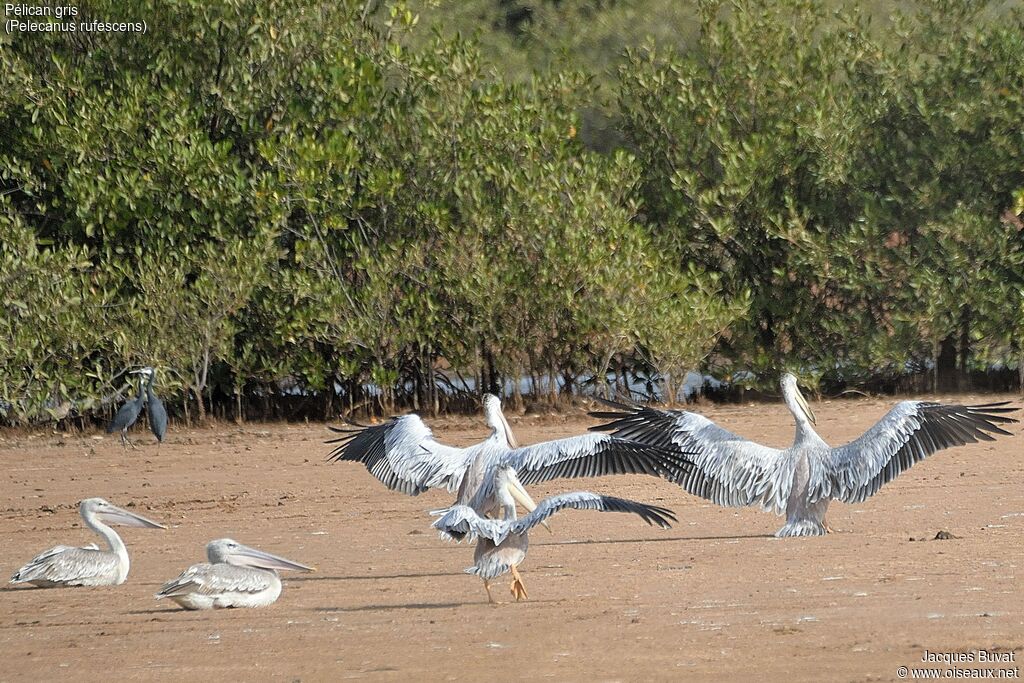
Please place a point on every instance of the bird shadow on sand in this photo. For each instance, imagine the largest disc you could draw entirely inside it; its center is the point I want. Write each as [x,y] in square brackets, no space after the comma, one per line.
[669,539]
[163,610]
[371,577]
[425,605]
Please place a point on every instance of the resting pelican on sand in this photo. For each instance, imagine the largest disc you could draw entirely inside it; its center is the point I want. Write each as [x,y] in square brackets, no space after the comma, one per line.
[237,576]
[403,454]
[89,566]
[502,543]
[803,479]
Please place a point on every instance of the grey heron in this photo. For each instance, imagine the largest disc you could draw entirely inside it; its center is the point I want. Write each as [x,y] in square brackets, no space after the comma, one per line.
[129,412]
[801,480]
[155,411]
[486,510]
[403,454]
[236,576]
[65,565]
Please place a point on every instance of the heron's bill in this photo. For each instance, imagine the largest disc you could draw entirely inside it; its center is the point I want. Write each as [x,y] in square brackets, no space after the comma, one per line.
[519,494]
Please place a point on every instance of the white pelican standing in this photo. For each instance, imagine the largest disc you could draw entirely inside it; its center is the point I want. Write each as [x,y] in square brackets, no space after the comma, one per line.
[801,480]
[490,490]
[65,565]
[237,576]
[403,454]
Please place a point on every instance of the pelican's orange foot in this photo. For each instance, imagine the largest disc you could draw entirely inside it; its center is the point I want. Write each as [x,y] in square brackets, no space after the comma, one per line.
[518,589]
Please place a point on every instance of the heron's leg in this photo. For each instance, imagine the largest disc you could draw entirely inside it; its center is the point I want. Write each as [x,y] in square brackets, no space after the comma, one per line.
[518,589]
[124,440]
[487,587]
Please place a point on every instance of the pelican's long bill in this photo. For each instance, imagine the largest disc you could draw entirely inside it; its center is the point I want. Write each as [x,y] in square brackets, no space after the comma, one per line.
[244,556]
[111,514]
[519,494]
[802,402]
[509,436]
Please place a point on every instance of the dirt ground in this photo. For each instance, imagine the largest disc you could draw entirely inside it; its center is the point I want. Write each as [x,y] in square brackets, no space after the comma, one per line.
[610,598]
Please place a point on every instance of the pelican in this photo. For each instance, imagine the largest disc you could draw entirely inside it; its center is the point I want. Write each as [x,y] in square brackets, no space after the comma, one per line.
[65,565]
[800,481]
[236,576]
[403,454]
[502,543]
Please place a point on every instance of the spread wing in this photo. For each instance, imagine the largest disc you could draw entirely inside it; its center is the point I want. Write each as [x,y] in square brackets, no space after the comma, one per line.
[403,454]
[908,433]
[65,564]
[593,455]
[460,521]
[216,579]
[727,469]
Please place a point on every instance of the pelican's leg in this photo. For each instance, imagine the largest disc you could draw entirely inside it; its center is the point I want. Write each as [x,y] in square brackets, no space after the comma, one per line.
[518,589]
[487,587]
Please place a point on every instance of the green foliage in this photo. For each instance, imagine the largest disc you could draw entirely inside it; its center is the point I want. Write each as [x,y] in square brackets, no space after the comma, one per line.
[266,195]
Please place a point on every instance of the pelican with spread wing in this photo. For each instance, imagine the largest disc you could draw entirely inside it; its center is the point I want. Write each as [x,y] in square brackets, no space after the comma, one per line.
[403,454]
[65,565]
[236,576]
[486,510]
[800,481]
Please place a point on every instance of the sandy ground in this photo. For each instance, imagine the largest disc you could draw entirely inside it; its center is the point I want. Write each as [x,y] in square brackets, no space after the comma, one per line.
[610,598]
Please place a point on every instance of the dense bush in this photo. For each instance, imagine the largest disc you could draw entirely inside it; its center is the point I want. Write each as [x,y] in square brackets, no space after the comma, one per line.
[325,204]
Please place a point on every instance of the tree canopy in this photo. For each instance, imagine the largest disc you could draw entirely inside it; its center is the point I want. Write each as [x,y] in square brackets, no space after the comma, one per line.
[323,206]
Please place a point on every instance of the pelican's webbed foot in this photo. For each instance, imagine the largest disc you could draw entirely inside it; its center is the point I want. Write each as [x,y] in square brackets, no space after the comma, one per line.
[518,588]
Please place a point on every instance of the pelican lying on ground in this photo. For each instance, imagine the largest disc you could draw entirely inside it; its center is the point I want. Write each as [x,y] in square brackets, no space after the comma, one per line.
[237,576]
[803,479]
[403,454]
[89,566]
[502,543]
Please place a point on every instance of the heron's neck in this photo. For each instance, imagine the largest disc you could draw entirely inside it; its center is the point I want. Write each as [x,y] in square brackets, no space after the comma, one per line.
[114,542]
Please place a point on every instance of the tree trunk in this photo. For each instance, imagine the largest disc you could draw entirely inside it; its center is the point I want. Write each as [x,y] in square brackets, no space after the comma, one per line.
[329,399]
[200,406]
[965,349]
[492,372]
[568,380]
[945,365]
[552,386]
[517,394]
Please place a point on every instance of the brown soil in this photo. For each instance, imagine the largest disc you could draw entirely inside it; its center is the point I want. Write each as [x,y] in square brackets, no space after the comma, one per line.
[610,598]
